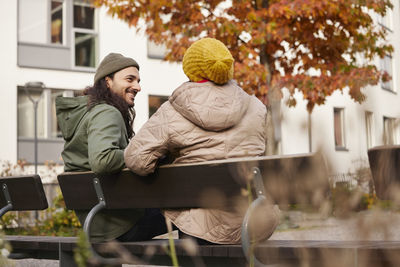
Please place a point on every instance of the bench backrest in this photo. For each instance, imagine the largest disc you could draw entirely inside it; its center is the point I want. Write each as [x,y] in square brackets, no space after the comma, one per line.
[26,192]
[384,162]
[212,184]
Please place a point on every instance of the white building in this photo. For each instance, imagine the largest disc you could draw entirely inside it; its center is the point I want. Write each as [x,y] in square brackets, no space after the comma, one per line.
[60,42]
[343,129]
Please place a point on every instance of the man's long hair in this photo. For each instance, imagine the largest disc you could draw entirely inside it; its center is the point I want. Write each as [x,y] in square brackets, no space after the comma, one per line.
[100,93]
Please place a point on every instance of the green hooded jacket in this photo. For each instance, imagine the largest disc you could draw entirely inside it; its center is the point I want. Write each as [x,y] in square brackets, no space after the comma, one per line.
[94,141]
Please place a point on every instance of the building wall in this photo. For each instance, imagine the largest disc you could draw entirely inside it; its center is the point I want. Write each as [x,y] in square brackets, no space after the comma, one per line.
[8,74]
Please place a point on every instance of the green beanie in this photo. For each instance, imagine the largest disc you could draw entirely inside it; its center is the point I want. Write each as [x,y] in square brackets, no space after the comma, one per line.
[113,62]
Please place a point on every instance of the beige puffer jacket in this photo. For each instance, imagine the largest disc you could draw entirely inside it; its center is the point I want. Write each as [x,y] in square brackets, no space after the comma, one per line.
[202,122]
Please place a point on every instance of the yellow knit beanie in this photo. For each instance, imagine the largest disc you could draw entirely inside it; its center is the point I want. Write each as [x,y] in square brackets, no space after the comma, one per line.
[208,59]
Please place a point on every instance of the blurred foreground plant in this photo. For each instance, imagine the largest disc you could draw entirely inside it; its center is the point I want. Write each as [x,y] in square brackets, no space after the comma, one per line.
[5,250]
[82,252]
[171,252]
[58,221]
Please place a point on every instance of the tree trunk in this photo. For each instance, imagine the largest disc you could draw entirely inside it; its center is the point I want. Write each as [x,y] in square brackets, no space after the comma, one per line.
[270,141]
[271,144]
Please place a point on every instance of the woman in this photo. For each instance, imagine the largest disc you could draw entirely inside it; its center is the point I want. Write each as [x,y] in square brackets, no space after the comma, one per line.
[208,118]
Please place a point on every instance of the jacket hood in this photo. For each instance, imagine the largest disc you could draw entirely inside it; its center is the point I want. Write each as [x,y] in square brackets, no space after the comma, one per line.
[70,111]
[210,106]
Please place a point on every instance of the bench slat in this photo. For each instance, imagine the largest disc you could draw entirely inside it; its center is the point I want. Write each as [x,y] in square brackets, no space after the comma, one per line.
[26,192]
[377,253]
[166,188]
[287,179]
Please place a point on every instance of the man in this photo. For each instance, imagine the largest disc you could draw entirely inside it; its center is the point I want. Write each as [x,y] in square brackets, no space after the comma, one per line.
[97,127]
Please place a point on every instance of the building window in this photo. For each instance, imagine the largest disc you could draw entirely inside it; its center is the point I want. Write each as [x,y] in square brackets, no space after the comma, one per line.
[26,114]
[338,120]
[156,51]
[386,21]
[47,126]
[386,65]
[57,22]
[42,21]
[389,131]
[369,129]
[57,34]
[85,35]
[155,101]
[83,15]
[50,142]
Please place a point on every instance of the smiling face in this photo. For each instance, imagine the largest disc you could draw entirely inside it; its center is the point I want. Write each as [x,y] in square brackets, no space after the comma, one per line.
[125,83]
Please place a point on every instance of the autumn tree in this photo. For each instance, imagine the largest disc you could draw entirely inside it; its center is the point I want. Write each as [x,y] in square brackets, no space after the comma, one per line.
[313,46]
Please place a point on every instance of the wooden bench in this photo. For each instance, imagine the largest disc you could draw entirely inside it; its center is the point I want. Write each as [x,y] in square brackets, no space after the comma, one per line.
[297,179]
[286,179]
[384,162]
[291,253]
[20,193]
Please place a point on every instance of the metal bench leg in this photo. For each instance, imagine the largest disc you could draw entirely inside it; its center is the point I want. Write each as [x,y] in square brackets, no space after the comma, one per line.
[7,197]
[66,258]
[259,201]
[88,221]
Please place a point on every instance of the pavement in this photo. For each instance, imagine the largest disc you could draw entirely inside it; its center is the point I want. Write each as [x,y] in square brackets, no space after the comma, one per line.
[365,225]
[296,225]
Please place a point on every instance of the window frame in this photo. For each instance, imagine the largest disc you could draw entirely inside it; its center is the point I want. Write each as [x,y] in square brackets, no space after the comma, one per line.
[65,38]
[387,65]
[46,100]
[390,127]
[93,32]
[31,53]
[342,146]
[156,51]
[369,129]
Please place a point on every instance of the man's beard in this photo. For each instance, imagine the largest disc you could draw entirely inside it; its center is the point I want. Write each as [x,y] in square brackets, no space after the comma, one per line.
[123,105]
